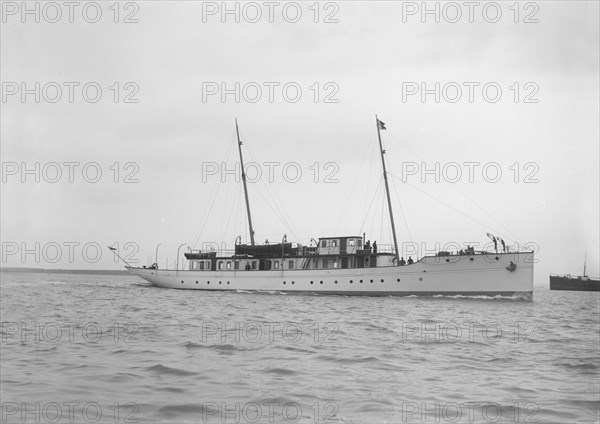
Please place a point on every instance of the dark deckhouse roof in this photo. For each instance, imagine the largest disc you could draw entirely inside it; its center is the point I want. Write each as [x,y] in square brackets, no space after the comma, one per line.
[339,237]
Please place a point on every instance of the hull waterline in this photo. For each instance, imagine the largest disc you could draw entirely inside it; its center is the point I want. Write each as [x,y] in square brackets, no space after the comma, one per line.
[504,274]
[573,283]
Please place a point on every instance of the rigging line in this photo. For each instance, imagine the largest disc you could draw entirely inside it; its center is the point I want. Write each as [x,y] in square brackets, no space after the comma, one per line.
[369,177]
[205,219]
[401,208]
[402,211]
[377,204]
[399,140]
[242,220]
[238,215]
[274,210]
[389,226]
[224,215]
[236,205]
[275,202]
[284,217]
[364,158]
[241,136]
[448,205]
[489,215]
[243,226]
[370,205]
[236,218]
[463,193]
[288,222]
[381,223]
[212,198]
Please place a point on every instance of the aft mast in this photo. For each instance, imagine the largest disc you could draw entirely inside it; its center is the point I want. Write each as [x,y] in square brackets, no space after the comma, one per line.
[244,181]
[381,126]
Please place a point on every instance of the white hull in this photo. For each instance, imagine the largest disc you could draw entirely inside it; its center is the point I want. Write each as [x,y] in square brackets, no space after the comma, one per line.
[481,274]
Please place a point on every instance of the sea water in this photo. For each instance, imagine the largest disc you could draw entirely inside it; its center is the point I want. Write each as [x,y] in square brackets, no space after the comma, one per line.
[113,349]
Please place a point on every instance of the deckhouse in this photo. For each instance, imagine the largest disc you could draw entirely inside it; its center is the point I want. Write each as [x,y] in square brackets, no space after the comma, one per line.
[330,252]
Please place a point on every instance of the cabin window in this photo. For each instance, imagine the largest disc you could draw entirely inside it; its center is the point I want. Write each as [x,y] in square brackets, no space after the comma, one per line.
[315,262]
[253,264]
[333,243]
[228,264]
[201,265]
[324,243]
[351,242]
[276,264]
[335,263]
[359,242]
[291,265]
[220,264]
[325,263]
[236,265]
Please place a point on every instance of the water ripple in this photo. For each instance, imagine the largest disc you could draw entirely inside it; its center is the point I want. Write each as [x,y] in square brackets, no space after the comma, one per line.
[145,353]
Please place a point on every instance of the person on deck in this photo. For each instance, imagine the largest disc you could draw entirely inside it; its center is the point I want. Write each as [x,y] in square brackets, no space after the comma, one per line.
[375,246]
[402,261]
[410,260]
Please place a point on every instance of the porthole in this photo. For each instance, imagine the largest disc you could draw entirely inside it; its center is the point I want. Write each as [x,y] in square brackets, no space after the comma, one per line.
[208,282]
[312,282]
[420,278]
[228,282]
[284,283]
[497,258]
[397,279]
[321,282]
[350,281]
[371,281]
[447,260]
[292,282]
[361,281]
[382,280]
[472,259]
[335,281]
[219,282]
[196,282]
[181,281]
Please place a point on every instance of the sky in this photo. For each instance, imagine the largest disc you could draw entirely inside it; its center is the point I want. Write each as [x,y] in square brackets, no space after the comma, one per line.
[118,127]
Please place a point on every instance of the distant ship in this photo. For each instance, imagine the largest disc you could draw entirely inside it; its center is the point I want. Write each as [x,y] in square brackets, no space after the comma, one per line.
[575,283]
[347,265]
